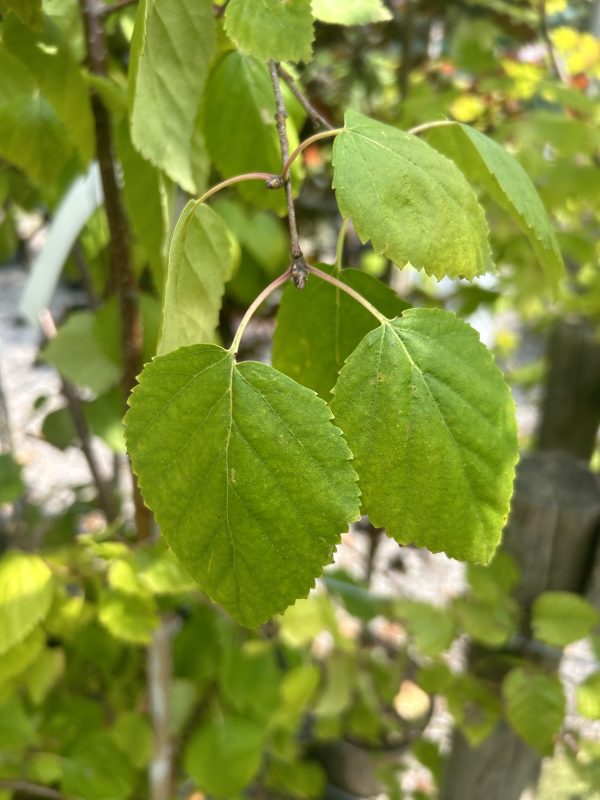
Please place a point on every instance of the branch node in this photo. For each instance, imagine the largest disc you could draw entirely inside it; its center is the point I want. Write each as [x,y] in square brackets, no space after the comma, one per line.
[274,182]
[299,271]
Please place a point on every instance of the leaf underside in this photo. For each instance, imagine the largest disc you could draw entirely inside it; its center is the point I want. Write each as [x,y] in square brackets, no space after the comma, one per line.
[318,328]
[172,49]
[485,162]
[430,422]
[270,29]
[410,201]
[200,263]
[249,480]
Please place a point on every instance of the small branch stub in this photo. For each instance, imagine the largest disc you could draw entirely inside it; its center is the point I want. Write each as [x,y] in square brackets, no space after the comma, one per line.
[299,272]
[274,182]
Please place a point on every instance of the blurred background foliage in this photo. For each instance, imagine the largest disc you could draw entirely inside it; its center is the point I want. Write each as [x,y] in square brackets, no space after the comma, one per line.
[353,692]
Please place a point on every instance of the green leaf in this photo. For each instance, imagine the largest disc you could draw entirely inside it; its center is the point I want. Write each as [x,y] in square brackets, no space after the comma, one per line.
[44,674]
[475,708]
[219,448]
[95,769]
[410,201]
[487,163]
[431,628]
[133,735]
[11,481]
[239,88]
[588,697]
[224,755]
[431,424]
[249,678]
[318,328]
[47,58]
[559,618]
[20,657]
[200,263]
[25,594]
[31,135]
[358,12]
[271,29]
[339,687]
[28,11]
[485,621]
[79,354]
[171,51]
[535,707]
[147,203]
[131,618]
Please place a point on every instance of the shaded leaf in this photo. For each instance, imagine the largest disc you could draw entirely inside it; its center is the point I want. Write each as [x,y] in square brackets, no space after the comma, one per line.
[559,618]
[219,449]
[200,263]
[171,51]
[28,11]
[11,481]
[224,755]
[410,201]
[128,617]
[318,328]
[485,162]
[94,768]
[358,12]
[535,707]
[47,58]
[25,594]
[588,697]
[270,29]
[425,392]
[239,88]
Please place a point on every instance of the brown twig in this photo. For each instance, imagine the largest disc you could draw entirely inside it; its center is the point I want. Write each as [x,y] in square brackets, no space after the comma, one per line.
[556,61]
[119,247]
[85,274]
[106,11]
[299,267]
[317,118]
[34,789]
[105,500]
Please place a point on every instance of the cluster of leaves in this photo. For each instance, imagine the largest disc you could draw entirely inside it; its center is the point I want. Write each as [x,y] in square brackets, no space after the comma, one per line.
[259,709]
[249,479]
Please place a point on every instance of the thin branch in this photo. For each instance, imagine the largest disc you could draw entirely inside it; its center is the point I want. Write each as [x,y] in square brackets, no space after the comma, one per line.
[34,789]
[106,11]
[119,243]
[318,120]
[299,268]
[105,499]
[85,273]
[349,291]
[303,145]
[235,345]
[159,671]
[557,62]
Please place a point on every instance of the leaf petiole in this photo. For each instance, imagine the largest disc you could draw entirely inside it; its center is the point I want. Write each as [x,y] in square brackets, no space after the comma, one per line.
[350,291]
[235,345]
[428,125]
[303,145]
[272,182]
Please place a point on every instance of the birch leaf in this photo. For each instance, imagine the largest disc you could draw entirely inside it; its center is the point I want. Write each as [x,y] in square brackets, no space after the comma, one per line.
[249,481]
[431,424]
[200,263]
[485,162]
[414,204]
